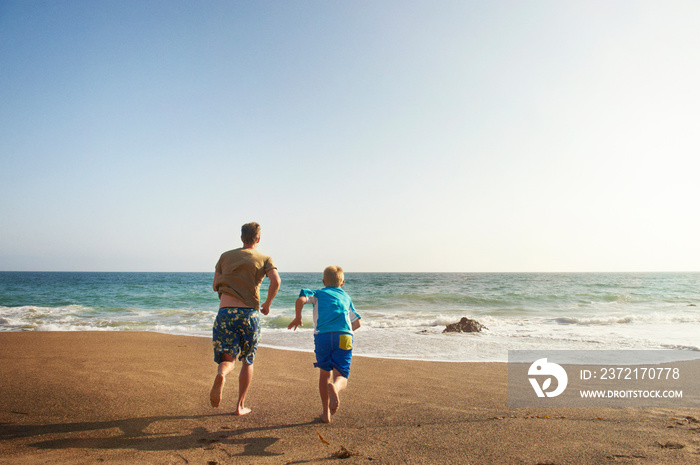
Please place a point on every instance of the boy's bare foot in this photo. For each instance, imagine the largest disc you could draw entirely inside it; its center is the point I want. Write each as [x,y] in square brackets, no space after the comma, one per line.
[326,417]
[240,411]
[217,390]
[333,399]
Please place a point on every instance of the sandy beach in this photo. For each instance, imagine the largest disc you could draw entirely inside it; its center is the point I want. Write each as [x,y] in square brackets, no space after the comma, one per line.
[129,397]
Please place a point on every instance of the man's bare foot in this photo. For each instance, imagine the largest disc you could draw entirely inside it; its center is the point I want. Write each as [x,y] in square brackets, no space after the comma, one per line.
[217,390]
[240,411]
[333,399]
[326,417]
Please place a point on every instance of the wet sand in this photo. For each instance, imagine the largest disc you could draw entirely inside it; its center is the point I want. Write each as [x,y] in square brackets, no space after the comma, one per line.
[130,397]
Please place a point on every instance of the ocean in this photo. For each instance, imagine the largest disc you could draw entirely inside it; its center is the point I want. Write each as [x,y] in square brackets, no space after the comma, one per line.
[403,314]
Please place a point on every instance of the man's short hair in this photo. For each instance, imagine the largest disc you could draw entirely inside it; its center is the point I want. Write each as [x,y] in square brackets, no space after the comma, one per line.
[333,276]
[250,233]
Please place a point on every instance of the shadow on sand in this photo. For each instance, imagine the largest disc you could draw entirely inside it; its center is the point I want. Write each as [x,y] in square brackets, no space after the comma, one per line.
[134,435]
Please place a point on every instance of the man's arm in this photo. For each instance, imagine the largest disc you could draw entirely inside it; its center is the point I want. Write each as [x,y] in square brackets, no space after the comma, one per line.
[216,276]
[298,306]
[356,324]
[275,283]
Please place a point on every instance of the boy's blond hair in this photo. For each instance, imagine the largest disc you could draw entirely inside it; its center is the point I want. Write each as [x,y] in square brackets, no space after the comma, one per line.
[333,276]
[250,233]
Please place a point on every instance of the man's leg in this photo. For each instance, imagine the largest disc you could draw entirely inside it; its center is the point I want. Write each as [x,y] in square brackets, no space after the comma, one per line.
[225,367]
[324,380]
[244,379]
[334,388]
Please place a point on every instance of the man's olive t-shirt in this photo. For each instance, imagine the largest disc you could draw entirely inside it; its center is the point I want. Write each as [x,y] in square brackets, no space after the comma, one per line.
[241,272]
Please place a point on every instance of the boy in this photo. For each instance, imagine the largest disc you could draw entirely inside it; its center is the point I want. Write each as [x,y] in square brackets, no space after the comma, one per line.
[334,320]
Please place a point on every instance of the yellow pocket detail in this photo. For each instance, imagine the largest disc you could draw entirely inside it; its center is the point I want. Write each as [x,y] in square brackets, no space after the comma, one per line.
[345,341]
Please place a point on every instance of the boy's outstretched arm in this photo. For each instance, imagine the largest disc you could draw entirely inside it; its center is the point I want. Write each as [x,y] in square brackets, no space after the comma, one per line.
[298,306]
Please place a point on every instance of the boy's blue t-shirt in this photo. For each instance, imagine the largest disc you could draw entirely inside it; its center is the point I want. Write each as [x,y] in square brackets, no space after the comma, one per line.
[333,310]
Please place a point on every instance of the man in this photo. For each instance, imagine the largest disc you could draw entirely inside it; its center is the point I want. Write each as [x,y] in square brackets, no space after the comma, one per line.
[236,331]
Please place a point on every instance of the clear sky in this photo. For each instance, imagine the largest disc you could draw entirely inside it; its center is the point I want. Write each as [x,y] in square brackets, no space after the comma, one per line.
[391,135]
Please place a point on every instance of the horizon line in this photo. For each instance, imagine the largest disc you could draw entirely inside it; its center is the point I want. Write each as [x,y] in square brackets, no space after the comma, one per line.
[366,272]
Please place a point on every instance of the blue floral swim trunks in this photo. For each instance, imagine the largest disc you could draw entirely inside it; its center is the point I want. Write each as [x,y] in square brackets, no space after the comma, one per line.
[236,333]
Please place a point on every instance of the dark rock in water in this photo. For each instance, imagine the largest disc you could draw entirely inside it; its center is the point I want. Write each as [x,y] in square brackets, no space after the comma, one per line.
[465,325]
[692,305]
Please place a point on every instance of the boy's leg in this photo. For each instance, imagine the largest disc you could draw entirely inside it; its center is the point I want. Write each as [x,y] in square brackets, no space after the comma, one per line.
[324,381]
[244,379]
[341,359]
[333,389]
[225,367]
